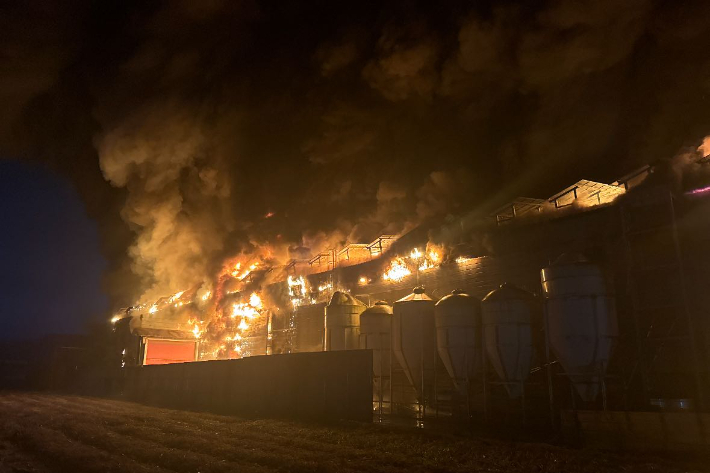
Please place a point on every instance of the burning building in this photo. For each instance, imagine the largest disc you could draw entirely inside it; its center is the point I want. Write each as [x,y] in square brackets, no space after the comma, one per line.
[602,295]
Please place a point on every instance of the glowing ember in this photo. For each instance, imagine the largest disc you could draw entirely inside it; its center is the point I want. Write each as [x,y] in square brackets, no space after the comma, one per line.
[462,260]
[363,280]
[115,319]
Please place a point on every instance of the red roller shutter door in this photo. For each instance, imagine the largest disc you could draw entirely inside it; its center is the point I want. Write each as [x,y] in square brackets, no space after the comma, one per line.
[161,352]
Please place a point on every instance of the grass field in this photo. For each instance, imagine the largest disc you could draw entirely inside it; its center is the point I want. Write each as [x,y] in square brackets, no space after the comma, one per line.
[41,432]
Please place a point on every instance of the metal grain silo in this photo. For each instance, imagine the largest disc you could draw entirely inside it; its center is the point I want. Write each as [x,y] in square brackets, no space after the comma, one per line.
[580,321]
[414,341]
[375,334]
[458,337]
[507,333]
[342,322]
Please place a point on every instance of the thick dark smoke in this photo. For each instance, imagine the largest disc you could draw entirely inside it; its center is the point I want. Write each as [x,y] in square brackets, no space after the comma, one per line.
[199,130]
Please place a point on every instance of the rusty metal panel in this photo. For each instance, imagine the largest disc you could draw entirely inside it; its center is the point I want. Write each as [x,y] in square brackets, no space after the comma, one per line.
[321,385]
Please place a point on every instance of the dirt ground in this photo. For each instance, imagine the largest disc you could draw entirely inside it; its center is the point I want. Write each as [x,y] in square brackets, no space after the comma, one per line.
[51,433]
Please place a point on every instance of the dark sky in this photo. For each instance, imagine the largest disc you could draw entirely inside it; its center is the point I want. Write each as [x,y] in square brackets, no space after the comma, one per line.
[181,124]
[50,260]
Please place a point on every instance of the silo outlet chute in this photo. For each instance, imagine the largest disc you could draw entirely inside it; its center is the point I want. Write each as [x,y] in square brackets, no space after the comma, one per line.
[342,322]
[506,315]
[414,341]
[375,334]
[580,321]
[458,337]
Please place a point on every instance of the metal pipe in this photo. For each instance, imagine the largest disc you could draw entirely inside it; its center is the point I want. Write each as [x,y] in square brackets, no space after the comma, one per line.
[380,374]
[522,402]
[435,390]
[689,318]
[484,360]
[391,383]
[549,366]
[603,383]
[421,332]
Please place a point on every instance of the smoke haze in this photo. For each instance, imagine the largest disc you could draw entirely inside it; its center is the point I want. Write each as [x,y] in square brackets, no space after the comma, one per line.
[196,131]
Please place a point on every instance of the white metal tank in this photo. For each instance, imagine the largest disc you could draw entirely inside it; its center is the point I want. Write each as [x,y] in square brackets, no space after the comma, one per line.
[342,322]
[581,321]
[507,333]
[458,337]
[375,334]
[414,341]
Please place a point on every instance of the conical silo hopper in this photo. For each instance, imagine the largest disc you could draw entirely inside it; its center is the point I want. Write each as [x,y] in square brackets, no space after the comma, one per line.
[507,332]
[414,340]
[342,322]
[458,337]
[375,334]
[581,321]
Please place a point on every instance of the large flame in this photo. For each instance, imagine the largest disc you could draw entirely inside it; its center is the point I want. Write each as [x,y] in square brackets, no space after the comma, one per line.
[227,315]
[417,260]
[397,270]
[255,300]
[297,290]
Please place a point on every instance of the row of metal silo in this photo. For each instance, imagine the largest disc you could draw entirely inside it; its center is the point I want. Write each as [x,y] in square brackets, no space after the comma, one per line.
[468,335]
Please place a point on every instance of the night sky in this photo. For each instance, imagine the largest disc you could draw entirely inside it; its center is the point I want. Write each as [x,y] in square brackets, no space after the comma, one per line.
[160,135]
[50,259]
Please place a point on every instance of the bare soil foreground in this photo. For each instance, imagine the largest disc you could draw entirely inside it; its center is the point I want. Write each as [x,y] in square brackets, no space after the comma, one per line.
[40,432]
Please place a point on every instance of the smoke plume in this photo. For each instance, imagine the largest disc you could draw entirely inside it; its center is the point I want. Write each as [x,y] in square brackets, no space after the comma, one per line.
[197,131]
